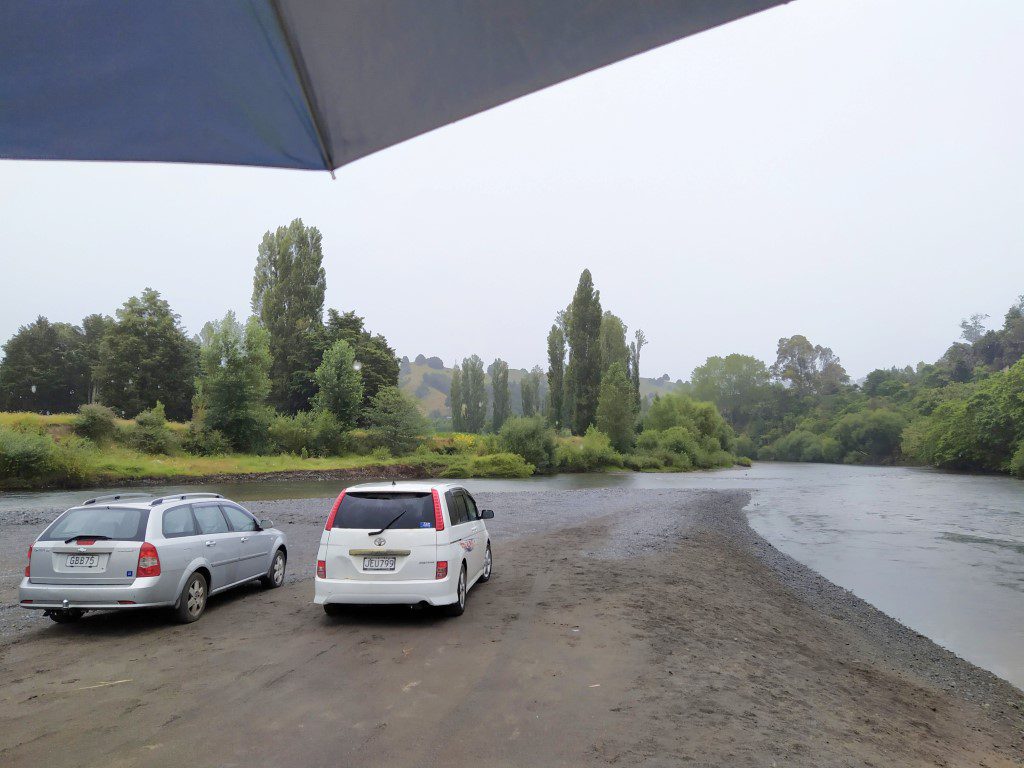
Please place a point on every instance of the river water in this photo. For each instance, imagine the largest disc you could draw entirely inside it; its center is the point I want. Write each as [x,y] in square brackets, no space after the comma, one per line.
[941,553]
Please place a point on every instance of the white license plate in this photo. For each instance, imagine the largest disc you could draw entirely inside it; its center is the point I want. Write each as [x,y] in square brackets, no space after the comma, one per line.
[379,563]
[82,561]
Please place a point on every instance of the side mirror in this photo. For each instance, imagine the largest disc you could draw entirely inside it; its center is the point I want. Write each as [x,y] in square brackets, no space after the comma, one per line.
[267,523]
[486,514]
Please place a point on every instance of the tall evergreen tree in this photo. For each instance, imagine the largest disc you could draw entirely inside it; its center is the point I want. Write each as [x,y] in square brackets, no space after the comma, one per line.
[146,357]
[234,382]
[499,386]
[455,399]
[44,369]
[474,394]
[583,374]
[288,298]
[556,375]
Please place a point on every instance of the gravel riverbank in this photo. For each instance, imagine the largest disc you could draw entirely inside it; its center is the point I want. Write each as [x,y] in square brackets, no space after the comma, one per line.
[622,627]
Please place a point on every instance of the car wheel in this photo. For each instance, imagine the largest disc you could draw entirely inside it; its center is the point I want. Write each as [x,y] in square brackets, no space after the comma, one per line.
[70,616]
[334,609]
[488,564]
[192,601]
[459,606]
[274,578]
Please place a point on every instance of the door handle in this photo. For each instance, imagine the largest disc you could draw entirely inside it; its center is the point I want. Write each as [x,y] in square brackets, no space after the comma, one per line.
[244,539]
[211,543]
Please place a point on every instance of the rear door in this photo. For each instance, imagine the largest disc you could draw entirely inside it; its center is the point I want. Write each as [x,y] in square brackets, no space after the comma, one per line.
[463,532]
[90,545]
[358,548]
[478,534]
[253,544]
[220,543]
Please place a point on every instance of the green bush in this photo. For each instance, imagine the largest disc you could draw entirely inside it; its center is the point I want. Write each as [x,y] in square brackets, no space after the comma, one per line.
[28,459]
[641,462]
[204,442]
[309,434]
[150,434]
[744,446]
[744,461]
[395,421]
[500,465]
[95,422]
[1017,461]
[532,439]
[594,451]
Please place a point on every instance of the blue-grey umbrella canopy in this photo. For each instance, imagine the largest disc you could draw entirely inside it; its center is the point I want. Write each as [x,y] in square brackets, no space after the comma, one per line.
[297,83]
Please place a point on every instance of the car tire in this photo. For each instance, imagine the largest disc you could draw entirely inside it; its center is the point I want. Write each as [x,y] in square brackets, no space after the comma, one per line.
[488,565]
[459,606]
[334,609]
[274,578]
[70,616]
[192,601]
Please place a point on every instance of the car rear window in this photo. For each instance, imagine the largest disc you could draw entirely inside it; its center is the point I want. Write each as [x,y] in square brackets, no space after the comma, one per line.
[375,510]
[118,523]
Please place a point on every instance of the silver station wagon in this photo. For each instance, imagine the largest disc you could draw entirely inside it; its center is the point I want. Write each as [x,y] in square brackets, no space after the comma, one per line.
[131,551]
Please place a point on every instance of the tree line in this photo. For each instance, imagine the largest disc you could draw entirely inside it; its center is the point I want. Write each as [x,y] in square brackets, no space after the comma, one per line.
[964,411]
[287,367]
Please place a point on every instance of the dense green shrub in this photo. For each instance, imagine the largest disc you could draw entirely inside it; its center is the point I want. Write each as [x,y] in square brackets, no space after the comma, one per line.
[744,446]
[95,422]
[532,439]
[309,434]
[1017,461]
[640,462]
[500,465]
[395,421]
[204,442]
[150,433]
[591,452]
[29,458]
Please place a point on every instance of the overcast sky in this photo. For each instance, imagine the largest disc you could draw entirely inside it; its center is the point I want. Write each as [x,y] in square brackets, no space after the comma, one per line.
[852,171]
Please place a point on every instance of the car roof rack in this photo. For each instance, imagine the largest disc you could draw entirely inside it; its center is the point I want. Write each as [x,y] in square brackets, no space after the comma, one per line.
[183,496]
[117,497]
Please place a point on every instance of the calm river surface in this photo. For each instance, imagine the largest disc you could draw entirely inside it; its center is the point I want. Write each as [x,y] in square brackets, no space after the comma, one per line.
[942,553]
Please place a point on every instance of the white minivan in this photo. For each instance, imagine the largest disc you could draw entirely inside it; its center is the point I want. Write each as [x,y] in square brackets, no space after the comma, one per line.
[402,543]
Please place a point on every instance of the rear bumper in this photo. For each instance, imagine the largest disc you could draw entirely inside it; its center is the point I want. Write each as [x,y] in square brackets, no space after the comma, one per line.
[351,592]
[141,593]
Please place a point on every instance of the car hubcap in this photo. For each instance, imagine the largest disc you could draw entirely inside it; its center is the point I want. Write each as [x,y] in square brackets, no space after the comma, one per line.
[487,563]
[278,569]
[462,588]
[196,596]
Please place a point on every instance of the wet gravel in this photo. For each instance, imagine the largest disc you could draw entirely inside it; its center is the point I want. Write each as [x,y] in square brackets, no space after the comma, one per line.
[640,522]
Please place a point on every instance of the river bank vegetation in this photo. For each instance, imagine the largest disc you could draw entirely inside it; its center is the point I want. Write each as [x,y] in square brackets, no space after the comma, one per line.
[300,386]
[965,411]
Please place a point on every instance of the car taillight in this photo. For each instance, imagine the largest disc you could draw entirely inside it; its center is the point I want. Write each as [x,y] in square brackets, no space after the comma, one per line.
[321,569]
[438,517]
[334,511]
[441,572]
[149,561]
[28,566]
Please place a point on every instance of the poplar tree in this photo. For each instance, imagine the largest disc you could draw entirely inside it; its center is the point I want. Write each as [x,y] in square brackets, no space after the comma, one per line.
[288,298]
[499,385]
[474,394]
[583,374]
[455,399]
[556,375]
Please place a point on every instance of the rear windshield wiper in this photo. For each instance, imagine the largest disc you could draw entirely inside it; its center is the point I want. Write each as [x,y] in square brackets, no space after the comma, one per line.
[374,533]
[94,536]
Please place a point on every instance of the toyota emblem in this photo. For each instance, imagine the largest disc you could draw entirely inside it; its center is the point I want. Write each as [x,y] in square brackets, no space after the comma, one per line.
[82,549]
[379,542]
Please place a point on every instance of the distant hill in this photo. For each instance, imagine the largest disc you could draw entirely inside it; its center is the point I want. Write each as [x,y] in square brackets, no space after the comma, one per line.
[428,381]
